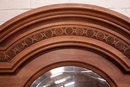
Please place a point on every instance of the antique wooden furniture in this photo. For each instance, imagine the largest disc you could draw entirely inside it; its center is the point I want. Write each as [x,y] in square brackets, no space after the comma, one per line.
[65,35]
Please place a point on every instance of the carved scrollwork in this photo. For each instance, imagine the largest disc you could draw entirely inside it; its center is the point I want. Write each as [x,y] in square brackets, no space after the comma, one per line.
[75,31]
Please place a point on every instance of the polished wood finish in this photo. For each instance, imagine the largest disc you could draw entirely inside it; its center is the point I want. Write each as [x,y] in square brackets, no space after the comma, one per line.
[65,34]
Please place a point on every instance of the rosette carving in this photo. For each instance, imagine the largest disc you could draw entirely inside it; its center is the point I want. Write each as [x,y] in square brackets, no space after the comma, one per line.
[75,31]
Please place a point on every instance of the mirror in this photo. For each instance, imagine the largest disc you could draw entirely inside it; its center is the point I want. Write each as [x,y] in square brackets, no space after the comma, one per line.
[70,76]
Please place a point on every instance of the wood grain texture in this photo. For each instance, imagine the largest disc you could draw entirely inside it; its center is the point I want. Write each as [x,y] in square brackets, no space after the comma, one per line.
[65,34]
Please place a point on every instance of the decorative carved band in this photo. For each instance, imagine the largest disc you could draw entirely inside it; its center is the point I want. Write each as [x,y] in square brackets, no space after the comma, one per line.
[76,31]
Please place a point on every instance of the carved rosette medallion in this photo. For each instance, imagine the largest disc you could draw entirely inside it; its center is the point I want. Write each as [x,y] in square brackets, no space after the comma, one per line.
[38,37]
[100,35]
[3,58]
[48,33]
[110,40]
[127,52]
[79,31]
[119,45]
[58,31]
[69,30]
[90,33]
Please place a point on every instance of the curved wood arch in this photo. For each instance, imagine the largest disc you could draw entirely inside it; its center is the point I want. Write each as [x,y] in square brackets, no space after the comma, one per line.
[96,29]
[70,63]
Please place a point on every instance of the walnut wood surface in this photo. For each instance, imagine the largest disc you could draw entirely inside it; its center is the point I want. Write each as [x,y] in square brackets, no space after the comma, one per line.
[65,34]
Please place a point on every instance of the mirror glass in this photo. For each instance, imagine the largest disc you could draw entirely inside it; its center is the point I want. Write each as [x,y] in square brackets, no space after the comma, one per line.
[70,76]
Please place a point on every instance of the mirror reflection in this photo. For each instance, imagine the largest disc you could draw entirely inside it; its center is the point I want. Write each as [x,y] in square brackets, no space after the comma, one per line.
[70,76]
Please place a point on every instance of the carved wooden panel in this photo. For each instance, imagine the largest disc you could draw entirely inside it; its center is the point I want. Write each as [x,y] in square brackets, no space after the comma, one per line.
[39,34]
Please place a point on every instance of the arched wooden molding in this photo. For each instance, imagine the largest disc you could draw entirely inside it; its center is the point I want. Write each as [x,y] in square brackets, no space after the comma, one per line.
[100,30]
